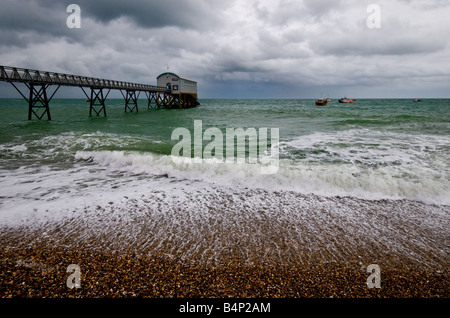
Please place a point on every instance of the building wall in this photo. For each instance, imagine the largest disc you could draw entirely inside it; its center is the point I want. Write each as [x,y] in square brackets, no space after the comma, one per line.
[178,84]
[188,86]
[165,78]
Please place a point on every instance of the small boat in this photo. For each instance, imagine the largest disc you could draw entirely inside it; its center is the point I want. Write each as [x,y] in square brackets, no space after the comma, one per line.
[346,100]
[417,100]
[328,99]
[321,102]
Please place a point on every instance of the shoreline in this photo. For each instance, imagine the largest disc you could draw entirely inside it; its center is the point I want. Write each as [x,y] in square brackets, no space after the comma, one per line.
[216,245]
[32,269]
[41,273]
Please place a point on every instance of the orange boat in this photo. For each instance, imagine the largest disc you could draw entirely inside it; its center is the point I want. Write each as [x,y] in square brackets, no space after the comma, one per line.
[321,102]
[346,100]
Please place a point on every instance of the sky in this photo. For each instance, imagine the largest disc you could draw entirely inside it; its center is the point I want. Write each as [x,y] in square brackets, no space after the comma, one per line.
[239,49]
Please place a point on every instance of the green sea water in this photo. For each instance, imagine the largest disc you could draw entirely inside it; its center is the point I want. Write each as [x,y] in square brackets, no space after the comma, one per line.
[293,117]
[374,148]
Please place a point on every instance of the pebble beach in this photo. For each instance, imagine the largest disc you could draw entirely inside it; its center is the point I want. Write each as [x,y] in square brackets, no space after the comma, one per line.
[41,273]
[130,258]
[354,187]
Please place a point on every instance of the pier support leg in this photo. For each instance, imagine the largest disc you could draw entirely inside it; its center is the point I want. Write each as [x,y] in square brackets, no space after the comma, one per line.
[162,100]
[38,100]
[169,100]
[166,100]
[188,102]
[97,101]
[158,100]
[131,99]
[152,97]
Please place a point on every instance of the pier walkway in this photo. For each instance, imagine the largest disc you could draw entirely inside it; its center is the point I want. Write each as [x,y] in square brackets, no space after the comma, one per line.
[38,96]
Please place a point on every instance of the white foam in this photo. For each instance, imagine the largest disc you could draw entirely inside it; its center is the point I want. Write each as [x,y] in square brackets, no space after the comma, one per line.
[204,212]
[359,163]
[345,179]
[373,164]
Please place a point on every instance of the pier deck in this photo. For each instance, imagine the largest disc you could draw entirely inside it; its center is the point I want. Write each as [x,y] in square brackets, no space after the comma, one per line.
[38,97]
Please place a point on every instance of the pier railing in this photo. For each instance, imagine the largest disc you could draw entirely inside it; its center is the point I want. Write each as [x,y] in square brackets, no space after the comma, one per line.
[30,76]
[38,96]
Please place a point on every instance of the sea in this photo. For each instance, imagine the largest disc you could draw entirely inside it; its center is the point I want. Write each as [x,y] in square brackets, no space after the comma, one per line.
[368,178]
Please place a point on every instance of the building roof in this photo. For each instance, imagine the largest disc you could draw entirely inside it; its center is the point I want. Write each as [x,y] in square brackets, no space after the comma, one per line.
[167,73]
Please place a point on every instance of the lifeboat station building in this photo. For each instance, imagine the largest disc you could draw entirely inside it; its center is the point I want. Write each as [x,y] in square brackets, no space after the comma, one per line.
[182,91]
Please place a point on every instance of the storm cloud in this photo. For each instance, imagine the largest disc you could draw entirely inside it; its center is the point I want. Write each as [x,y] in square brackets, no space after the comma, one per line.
[254,48]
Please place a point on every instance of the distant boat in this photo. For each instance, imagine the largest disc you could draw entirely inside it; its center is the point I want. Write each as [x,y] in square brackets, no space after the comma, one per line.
[346,100]
[417,100]
[328,99]
[321,102]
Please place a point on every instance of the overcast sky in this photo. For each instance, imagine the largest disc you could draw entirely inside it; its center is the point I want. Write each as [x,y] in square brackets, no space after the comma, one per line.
[239,49]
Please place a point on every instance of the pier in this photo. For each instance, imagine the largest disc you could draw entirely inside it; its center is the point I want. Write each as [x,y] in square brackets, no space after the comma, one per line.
[43,85]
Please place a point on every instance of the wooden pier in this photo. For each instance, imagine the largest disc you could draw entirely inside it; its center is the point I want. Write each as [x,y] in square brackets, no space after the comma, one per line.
[39,96]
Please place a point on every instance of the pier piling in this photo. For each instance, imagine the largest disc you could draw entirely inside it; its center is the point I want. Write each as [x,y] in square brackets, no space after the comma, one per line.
[131,99]
[38,83]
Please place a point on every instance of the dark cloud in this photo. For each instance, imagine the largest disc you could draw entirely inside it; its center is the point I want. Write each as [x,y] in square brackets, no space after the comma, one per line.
[27,22]
[23,22]
[258,47]
[374,44]
[191,14]
[49,15]
[24,15]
